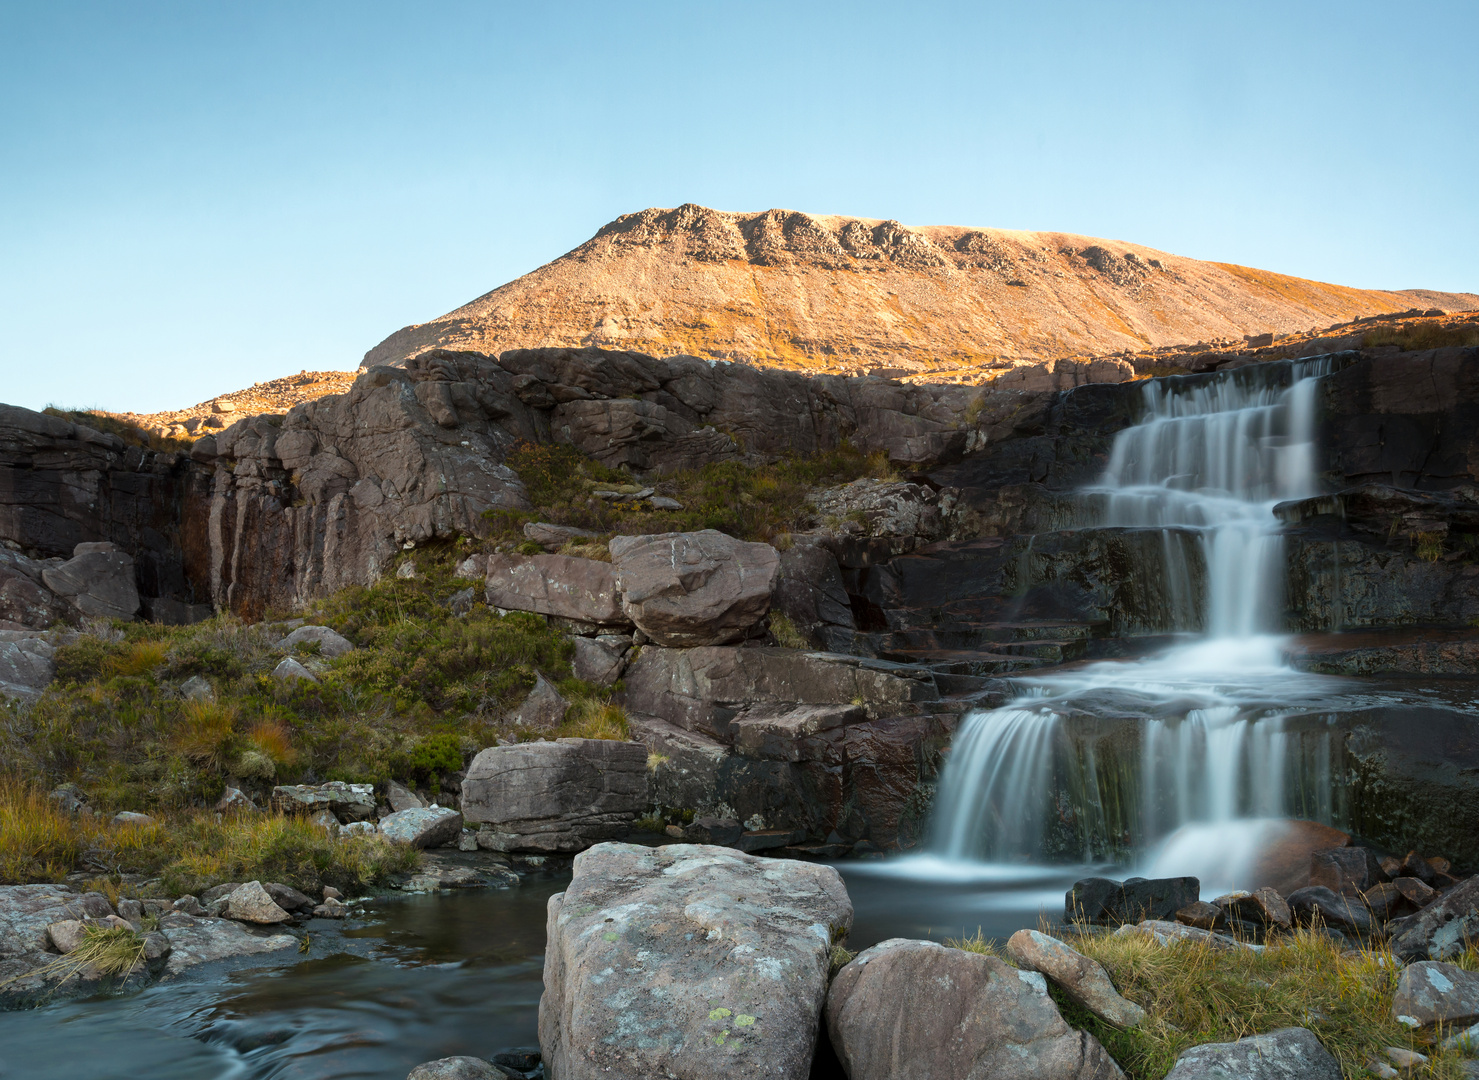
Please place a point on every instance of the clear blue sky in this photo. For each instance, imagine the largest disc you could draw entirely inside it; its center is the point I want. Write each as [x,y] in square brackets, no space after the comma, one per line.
[195,197]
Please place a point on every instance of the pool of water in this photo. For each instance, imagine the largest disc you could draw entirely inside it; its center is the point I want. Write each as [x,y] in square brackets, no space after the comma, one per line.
[429,976]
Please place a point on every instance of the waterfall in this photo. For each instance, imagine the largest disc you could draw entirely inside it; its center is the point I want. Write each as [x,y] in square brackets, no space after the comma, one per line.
[1104,761]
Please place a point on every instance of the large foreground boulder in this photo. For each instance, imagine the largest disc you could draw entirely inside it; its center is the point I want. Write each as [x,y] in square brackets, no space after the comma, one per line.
[555,796]
[1286,1054]
[687,960]
[698,588]
[916,1010]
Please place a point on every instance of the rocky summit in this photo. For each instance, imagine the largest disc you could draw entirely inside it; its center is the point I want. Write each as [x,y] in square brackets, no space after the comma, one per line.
[851,295]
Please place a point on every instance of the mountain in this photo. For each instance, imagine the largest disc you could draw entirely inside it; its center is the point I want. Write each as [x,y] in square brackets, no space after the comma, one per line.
[840,294]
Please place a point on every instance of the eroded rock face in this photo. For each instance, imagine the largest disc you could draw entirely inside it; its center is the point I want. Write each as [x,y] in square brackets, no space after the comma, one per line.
[916,1009]
[555,796]
[1286,1054]
[687,960]
[98,580]
[26,664]
[688,589]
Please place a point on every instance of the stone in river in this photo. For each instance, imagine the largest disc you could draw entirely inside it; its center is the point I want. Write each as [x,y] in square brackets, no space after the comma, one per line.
[456,1068]
[254,904]
[687,960]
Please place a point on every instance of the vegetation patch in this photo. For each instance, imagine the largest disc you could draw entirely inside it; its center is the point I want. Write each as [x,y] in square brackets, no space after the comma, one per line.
[111,425]
[1195,994]
[1410,337]
[751,502]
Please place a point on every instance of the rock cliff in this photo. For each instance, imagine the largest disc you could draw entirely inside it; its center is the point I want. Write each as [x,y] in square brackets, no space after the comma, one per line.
[840,294]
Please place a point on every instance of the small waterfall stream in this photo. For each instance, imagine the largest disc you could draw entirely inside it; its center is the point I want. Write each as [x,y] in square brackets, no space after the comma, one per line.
[1106,761]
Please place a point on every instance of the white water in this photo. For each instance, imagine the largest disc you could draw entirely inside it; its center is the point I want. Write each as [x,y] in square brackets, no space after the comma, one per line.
[1217,758]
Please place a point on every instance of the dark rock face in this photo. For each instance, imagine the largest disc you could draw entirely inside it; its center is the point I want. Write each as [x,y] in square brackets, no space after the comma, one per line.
[810,741]
[1103,900]
[62,484]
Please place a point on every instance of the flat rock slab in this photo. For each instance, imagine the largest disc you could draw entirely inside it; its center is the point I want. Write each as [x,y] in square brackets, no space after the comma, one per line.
[1431,992]
[687,960]
[555,796]
[916,1010]
[571,588]
[202,941]
[347,802]
[1082,979]
[1286,1054]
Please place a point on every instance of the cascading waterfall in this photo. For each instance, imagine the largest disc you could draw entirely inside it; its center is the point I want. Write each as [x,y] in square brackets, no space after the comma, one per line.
[1104,761]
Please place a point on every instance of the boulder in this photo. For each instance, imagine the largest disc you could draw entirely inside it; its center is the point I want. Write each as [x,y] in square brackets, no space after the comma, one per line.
[1443,929]
[600,659]
[555,796]
[98,580]
[234,800]
[26,664]
[330,644]
[1347,870]
[356,828]
[288,898]
[1203,916]
[687,960]
[1430,993]
[402,798]
[197,688]
[67,934]
[689,589]
[561,585]
[1264,907]
[543,710]
[199,941]
[289,670]
[903,1010]
[1286,1054]
[1317,904]
[347,802]
[1082,979]
[456,1068]
[422,828]
[1106,901]
[254,904]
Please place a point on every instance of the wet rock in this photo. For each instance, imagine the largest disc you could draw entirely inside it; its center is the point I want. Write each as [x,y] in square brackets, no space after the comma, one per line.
[543,710]
[658,957]
[422,827]
[288,898]
[571,588]
[98,580]
[1317,905]
[402,798]
[1286,1054]
[1430,993]
[254,904]
[1444,928]
[600,660]
[200,941]
[1202,915]
[1347,870]
[460,877]
[555,796]
[347,802]
[456,1068]
[1264,907]
[691,589]
[330,644]
[289,670]
[1106,901]
[1082,979]
[712,830]
[918,1009]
